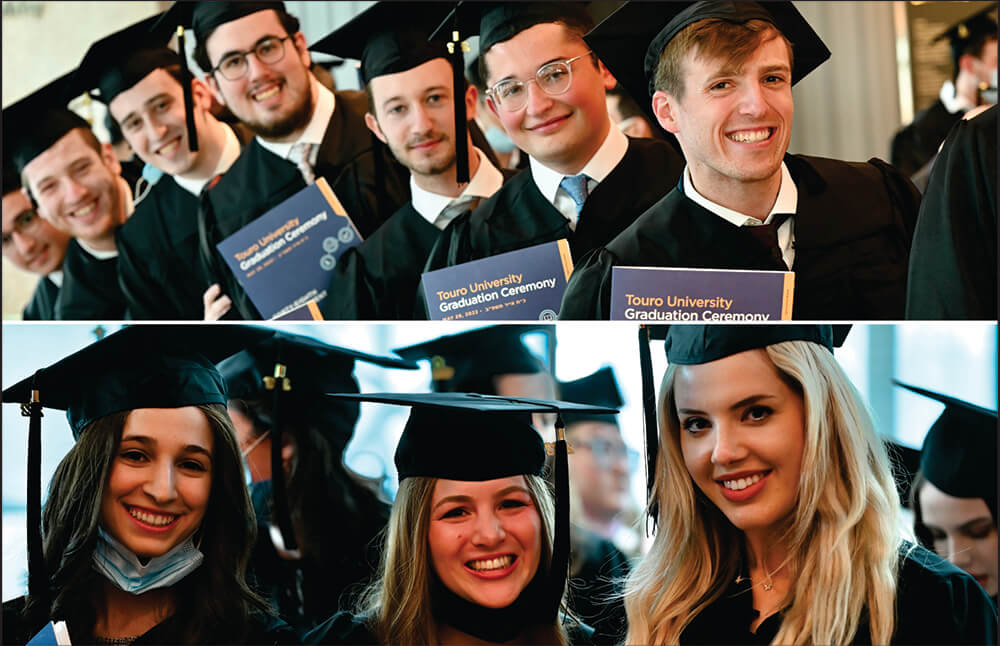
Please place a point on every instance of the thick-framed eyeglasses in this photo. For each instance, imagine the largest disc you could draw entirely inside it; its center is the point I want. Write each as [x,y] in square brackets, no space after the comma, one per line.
[235,66]
[552,78]
[24,222]
[608,454]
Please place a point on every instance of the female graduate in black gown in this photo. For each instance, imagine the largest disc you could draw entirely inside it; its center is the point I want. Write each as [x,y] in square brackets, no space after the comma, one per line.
[776,508]
[147,529]
[476,550]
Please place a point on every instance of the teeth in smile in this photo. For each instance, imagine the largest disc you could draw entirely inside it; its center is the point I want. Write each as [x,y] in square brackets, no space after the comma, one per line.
[266,94]
[499,563]
[170,148]
[750,136]
[742,483]
[85,211]
[151,519]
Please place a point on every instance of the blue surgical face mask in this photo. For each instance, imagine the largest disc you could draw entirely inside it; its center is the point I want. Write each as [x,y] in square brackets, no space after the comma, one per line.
[122,567]
[498,140]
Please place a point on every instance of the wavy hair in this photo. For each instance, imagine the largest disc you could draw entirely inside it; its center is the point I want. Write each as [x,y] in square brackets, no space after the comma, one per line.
[398,604]
[214,601]
[842,538]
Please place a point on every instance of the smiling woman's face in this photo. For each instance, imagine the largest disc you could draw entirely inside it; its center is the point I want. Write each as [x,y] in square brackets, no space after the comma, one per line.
[741,435]
[160,480]
[485,538]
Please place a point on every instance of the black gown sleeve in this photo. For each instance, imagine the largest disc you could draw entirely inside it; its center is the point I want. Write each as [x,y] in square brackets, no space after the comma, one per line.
[588,292]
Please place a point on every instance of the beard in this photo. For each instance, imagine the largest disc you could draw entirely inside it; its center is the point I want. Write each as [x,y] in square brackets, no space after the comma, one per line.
[425,166]
[298,118]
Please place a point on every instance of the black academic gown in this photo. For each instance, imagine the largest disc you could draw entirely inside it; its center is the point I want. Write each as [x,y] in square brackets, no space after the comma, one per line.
[307,591]
[380,279]
[367,180]
[853,228]
[914,145]
[598,571]
[42,306]
[936,603]
[953,264]
[90,290]
[260,630]
[518,216]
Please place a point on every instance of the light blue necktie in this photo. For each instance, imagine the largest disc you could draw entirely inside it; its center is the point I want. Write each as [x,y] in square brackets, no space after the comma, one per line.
[576,186]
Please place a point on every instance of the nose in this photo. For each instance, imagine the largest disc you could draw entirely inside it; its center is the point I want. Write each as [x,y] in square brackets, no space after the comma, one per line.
[75,191]
[23,242]
[162,483]
[729,447]
[538,100]
[959,552]
[753,103]
[489,530]
[255,67]
[421,122]
[155,128]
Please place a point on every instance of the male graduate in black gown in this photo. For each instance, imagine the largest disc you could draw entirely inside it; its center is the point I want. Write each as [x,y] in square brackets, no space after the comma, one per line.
[953,265]
[75,181]
[973,43]
[724,88]
[32,244]
[257,65]
[412,101]
[144,89]
[586,181]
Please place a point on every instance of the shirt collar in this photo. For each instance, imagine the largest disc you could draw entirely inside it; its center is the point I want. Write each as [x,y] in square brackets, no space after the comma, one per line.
[56,277]
[788,198]
[316,128]
[607,157]
[484,183]
[952,101]
[230,151]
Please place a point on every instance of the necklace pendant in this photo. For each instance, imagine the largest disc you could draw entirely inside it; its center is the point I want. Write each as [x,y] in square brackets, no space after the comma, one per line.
[767,586]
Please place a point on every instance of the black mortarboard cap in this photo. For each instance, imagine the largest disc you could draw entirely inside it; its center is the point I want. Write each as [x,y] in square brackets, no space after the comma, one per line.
[144,366]
[961,34]
[496,22]
[959,455]
[468,361]
[392,37]
[11,178]
[117,62]
[295,370]
[631,40]
[600,388]
[204,17]
[35,122]
[468,436]
[696,344]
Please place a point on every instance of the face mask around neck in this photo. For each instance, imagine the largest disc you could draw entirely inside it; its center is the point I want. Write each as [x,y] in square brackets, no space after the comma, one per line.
[122,567]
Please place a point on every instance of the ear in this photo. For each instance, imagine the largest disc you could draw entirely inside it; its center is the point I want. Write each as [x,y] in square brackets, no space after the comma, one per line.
[201,94]
[110,159]
[372,124]
[471,101]
[609,80]
[213,85]
[665,109]
[303,49]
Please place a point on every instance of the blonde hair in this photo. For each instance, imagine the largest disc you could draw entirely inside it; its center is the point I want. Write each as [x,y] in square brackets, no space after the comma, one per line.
[842,538]
[397,605]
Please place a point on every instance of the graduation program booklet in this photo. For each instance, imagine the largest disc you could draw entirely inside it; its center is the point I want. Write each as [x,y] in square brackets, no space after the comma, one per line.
[52,634]
[703,295]
[283,259]
[522,285]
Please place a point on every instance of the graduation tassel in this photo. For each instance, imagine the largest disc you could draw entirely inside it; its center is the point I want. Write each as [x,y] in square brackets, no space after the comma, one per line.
[188,96]
[649,423]
[560,543]
[456,49]
[279,383]
[38,578]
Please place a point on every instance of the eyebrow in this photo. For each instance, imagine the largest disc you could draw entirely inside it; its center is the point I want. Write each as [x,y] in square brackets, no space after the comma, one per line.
[734,71]
[146,103]
[150,442]
[465,499]
[746,401]
[557,59]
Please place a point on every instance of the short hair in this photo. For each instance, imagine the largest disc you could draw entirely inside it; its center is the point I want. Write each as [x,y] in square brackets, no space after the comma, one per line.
[89,138]
[627,106]
[577,24]
[713,38]
[288,21]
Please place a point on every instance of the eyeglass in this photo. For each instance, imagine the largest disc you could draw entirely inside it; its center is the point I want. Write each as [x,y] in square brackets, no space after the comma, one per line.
[235,66]
[553,78]
[607,453]
[23,223]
